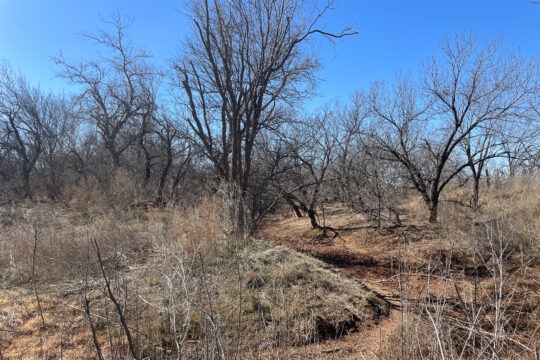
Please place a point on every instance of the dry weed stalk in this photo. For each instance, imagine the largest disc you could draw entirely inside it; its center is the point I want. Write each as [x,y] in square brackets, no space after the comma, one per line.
[471,305]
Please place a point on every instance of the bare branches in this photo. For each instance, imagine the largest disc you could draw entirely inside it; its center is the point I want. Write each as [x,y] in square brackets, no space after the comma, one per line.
[24,114]
[243,64]
[121,314]
[470,91]
[117,92]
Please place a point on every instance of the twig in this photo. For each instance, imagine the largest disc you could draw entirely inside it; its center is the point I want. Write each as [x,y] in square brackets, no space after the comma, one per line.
[131,344]
[473,323]
[211,315]
[34,253]
[97,347]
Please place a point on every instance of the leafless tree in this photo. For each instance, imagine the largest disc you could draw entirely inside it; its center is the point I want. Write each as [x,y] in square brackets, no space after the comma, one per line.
[117,92]
[60,129]
[243,61]
[174,156]
[23,112]
[351,120]
[367,182]
[479,148]
[300,166]
[522,144]
[470,87]
[378,186]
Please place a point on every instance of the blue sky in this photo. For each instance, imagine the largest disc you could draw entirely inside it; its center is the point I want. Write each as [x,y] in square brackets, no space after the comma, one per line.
[393,35]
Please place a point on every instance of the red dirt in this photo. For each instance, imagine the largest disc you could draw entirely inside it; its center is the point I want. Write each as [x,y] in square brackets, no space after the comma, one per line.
[400,263]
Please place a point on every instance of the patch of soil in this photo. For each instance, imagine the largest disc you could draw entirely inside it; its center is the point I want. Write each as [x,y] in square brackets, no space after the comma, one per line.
[406,265]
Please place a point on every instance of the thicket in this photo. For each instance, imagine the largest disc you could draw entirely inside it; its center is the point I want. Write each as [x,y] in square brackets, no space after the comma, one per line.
[132,135]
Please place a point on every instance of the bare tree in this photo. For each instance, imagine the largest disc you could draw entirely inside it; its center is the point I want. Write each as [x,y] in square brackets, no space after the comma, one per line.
[22,116]
[351,120]
[469,88]
[59,129]
[300,171]
[521,144]
[174,156]
[117,92]
[479,148]
[244,59]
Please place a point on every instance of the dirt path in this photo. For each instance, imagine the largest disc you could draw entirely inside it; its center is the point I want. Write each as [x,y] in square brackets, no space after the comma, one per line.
[356,254]
[417,268]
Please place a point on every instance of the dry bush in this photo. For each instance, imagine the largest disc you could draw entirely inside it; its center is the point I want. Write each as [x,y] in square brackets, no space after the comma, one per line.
[91,197]
[248,299]
[123,190]
[516,204]
[86,197]
[61,239]
[413,340]
[458,319]
[515,201]
[63,235]
[245,301]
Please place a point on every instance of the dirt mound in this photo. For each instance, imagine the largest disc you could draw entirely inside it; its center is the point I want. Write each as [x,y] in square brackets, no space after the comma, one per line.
[328,304]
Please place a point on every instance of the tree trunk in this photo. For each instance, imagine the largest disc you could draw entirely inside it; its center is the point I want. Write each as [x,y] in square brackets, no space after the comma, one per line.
[296,210]
[53,187]
[115,157]
[163,177]
[313,218]
[433,209]
[26,190]
[295,207]
[475,201]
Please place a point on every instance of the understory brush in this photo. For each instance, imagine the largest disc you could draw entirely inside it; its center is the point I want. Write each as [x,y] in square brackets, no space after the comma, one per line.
[164,283]
[479,297]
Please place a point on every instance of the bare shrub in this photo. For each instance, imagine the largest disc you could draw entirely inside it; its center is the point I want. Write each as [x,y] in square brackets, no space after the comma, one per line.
[86,197]
[63,238]
[123,190]
[517,205]
[180,285]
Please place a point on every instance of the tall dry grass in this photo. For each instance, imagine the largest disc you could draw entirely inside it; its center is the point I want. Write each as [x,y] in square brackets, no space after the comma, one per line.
[181,282]
[479,294]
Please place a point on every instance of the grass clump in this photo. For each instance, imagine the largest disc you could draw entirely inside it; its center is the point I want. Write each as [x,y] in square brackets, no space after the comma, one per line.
[303,297]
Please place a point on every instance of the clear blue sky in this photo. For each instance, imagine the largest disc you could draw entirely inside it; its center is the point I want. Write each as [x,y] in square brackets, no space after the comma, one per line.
[393,35]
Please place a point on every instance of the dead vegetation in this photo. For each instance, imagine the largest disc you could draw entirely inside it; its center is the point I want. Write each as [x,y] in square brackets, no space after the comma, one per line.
[173,280]
[181,285]
[464,288]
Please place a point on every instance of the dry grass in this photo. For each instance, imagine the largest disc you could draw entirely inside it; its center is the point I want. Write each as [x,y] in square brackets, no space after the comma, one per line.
[184,285]
[480,294]
[464,288]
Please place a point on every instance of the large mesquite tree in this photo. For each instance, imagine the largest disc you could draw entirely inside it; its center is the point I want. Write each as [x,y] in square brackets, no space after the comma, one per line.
[243,62]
